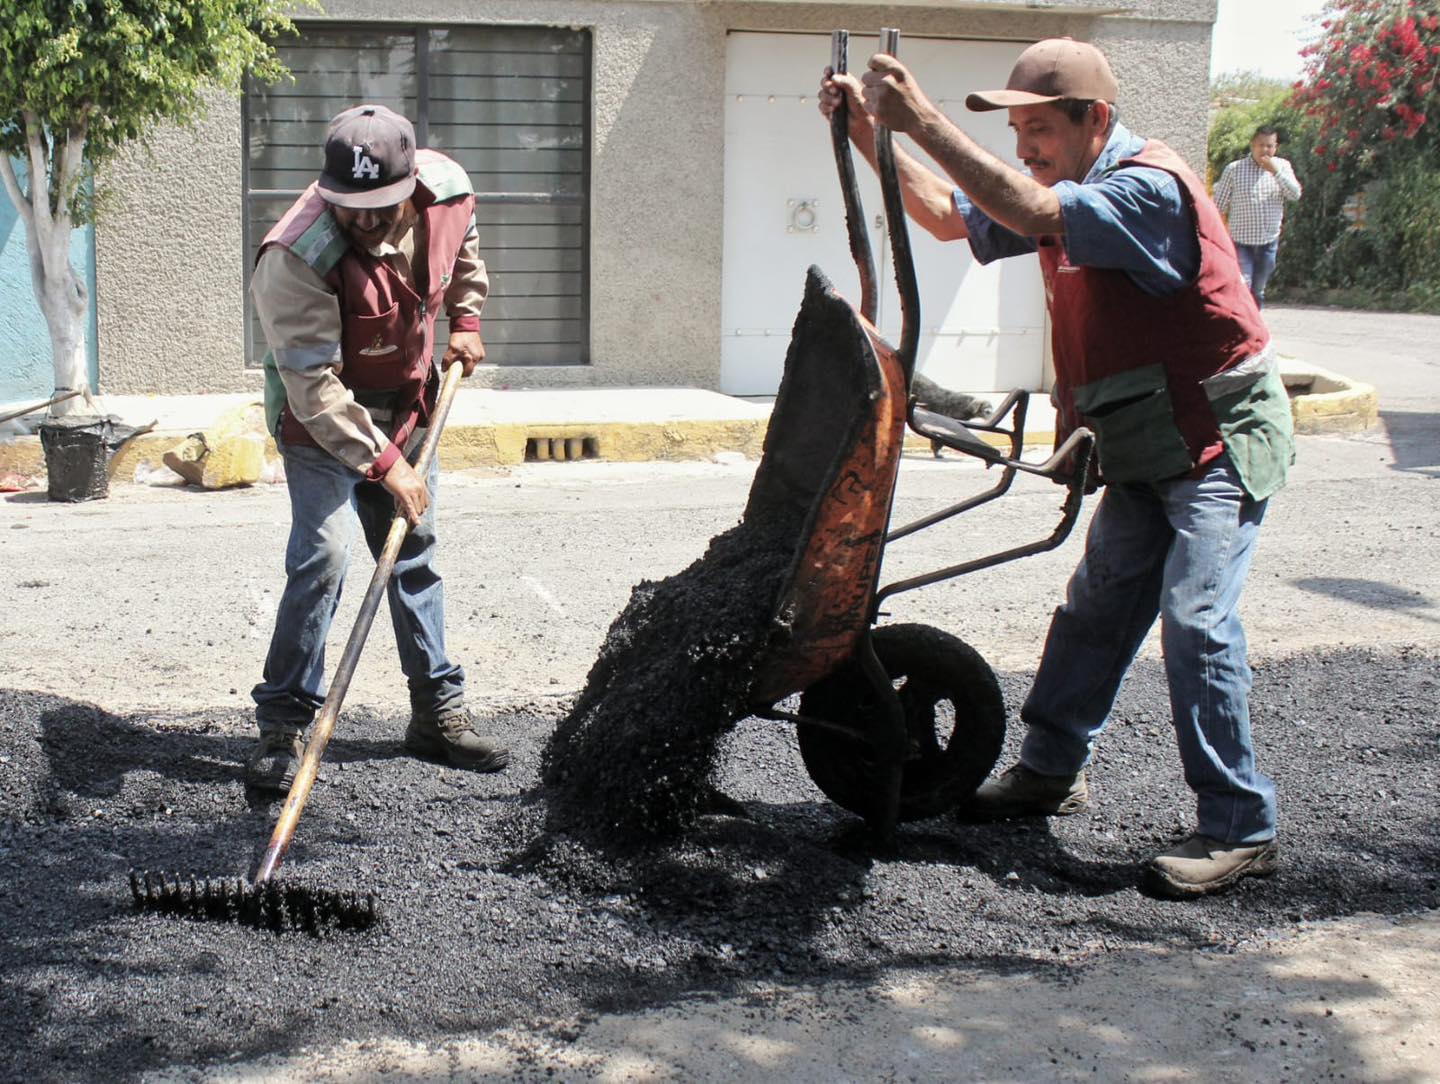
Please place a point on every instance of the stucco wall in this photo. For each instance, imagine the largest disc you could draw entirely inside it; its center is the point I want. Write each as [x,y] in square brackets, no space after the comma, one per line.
[169,262]
[170,298]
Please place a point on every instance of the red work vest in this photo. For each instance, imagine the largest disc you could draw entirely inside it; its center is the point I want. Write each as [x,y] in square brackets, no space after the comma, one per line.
[1103,325]
[387,324]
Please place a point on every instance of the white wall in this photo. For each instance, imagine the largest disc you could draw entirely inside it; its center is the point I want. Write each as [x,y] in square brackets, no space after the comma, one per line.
[982,328]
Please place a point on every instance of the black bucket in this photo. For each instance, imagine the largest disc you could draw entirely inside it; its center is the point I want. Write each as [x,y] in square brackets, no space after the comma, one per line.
[76,457]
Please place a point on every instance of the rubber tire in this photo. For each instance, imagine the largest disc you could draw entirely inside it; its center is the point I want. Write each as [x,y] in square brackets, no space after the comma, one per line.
[928,667]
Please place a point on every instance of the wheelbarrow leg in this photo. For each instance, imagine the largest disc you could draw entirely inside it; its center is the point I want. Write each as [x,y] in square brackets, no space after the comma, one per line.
[888,739]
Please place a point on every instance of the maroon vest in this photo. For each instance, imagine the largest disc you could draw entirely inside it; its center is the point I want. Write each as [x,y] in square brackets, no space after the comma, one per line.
[1103,324]
[387,324]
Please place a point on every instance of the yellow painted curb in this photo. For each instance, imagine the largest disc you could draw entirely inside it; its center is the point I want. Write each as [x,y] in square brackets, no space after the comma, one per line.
[618,442]
[1034,438]
[22,456]
[1326,402]
[503,445]
[1321,401]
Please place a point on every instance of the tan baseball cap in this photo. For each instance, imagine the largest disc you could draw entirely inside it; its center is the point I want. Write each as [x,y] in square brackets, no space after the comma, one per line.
[1048,71]
[369,159]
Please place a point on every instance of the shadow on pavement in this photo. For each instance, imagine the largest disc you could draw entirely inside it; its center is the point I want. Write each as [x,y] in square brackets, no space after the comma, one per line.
[1374,593]
[1414,441]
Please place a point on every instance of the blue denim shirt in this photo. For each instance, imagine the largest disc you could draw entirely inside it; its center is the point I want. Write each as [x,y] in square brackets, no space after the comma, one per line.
[1133,220]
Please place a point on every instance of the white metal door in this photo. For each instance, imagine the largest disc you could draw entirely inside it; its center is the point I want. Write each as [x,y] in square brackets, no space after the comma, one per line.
[981,327]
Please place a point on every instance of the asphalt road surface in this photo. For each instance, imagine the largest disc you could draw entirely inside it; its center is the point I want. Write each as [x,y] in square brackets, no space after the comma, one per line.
[771,945]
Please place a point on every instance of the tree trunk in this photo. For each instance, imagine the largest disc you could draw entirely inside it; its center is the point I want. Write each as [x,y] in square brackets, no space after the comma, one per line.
[62,297]
[64,301]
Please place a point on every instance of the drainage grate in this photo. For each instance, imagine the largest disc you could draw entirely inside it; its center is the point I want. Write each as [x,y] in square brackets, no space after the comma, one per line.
[538,449]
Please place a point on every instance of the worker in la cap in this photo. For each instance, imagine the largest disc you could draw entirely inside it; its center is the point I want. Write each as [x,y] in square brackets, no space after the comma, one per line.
[1160,349]
[347,287]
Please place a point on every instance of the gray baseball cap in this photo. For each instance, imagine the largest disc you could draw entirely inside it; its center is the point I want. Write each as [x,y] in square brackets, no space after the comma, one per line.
[369,158]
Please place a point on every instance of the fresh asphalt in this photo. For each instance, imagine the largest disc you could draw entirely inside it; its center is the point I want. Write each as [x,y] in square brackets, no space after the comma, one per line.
[135,626]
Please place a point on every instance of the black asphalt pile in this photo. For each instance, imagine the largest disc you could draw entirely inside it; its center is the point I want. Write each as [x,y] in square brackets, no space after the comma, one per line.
[488,921]
[634,757]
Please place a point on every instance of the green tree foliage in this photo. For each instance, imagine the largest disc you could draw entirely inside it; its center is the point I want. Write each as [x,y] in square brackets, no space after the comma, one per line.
[1371,108]
[1403,226]
[81,78]
[102,73]
[1362,129]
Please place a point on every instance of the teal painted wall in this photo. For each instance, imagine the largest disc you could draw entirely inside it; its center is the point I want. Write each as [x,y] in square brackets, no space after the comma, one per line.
[26,369]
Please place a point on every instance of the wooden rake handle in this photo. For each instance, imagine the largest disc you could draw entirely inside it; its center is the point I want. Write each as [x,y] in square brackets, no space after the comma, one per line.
[325,721]
[59,397]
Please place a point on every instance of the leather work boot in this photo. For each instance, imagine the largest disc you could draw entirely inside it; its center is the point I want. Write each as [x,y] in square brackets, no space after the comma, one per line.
[272,763]
[450,736]
[1023,793]
[1199,865]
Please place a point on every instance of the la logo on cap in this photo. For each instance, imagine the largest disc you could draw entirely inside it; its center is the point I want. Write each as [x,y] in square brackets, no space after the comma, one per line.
[365,166]
[369,158]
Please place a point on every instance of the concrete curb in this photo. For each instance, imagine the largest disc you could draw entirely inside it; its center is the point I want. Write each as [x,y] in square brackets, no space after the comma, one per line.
[504,428]
[464,446]
[487,428]
[1326,402]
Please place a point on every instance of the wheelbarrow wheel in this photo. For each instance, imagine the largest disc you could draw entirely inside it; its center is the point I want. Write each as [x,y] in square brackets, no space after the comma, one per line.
[954,717]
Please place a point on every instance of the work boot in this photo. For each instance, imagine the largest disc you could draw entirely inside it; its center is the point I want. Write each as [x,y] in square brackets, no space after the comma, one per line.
[1199,865]
[449,735]
[1023,793]
[272,763]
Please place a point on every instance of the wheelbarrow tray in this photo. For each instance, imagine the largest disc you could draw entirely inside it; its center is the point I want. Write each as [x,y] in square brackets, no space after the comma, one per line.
[832,449]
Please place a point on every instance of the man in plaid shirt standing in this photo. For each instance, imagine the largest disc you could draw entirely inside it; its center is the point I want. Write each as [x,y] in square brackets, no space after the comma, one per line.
[1251,194]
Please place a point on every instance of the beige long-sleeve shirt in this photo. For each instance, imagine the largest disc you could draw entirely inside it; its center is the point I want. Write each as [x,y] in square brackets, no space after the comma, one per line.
[300,315]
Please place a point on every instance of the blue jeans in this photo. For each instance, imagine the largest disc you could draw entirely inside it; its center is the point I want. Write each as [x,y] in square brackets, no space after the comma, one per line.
[1257,264]
[1180,549]
[328,500]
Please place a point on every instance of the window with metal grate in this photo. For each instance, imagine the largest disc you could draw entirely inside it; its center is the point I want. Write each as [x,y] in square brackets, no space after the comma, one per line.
[509,103]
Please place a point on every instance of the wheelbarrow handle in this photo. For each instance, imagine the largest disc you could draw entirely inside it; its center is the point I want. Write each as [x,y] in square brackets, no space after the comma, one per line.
[899,231]
[855,228]
[1070,463]
[1013,398]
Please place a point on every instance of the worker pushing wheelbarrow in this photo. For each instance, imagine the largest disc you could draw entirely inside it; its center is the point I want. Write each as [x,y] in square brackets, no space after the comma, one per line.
[895,723]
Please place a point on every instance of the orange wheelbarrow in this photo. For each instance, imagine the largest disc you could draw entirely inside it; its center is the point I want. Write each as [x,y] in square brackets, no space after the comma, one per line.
[899,722]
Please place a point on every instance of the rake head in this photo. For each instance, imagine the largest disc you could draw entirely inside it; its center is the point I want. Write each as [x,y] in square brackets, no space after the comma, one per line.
[274,905]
